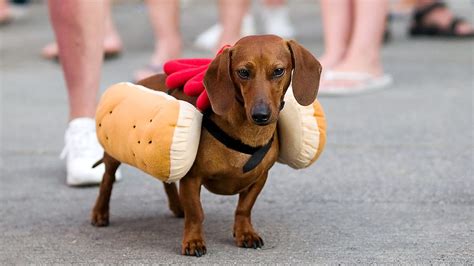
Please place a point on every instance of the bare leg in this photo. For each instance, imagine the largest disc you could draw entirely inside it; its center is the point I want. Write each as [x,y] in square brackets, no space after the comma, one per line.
[402,6]
[337,21]
[164,16]
[100,213]
[112,43]
[79,29]
[5,13]
[231,13]
[173,199]
[244,234]
[363,54]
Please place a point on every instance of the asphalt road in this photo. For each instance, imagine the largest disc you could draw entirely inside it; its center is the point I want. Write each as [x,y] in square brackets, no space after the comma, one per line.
[394,185]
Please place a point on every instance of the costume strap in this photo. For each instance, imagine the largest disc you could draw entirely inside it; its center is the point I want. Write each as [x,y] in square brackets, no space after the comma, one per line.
[257,153]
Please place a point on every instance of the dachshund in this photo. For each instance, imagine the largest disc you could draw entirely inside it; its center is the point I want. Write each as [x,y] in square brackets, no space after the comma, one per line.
[246,84]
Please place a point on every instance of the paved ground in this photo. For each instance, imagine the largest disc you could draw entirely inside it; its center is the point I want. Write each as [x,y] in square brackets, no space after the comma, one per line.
[395,183]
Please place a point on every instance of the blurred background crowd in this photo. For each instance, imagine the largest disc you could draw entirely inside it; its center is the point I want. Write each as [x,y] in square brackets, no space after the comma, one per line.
[354,33]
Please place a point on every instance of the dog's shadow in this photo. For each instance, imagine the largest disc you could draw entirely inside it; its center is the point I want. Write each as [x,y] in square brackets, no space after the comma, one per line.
[150,226]
[161,231]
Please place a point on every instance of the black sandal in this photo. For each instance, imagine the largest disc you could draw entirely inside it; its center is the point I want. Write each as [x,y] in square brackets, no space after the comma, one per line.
[419,29]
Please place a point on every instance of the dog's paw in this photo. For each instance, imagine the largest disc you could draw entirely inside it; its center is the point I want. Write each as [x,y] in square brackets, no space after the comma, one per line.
[248,239]
[194,247]
[100,219]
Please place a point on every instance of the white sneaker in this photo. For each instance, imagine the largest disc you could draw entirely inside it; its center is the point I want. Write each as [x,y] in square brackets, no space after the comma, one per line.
[208,39]
[276,21]
[81,151]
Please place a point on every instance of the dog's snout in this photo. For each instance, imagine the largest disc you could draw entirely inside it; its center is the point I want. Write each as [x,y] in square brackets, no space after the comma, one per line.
[261,114]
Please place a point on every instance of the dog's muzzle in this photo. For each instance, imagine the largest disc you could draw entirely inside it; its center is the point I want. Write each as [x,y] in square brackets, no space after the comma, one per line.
[261,114]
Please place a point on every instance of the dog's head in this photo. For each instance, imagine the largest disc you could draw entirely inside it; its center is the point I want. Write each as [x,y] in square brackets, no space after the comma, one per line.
[256,73]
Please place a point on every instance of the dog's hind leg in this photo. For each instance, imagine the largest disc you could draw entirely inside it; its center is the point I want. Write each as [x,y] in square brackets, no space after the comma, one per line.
[173,199]
[100,213]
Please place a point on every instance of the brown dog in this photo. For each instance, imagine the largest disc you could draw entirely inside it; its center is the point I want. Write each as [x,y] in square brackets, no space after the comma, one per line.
[246,85]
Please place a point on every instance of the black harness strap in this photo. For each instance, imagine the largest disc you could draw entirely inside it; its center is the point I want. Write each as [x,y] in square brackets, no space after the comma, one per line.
[257,157]
[257,153]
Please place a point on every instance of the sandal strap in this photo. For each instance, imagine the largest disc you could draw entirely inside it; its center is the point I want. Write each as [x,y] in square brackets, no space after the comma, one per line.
[422,12]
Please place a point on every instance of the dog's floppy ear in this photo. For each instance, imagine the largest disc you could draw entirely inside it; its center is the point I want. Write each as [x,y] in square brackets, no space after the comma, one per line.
[306,74]
[218,83]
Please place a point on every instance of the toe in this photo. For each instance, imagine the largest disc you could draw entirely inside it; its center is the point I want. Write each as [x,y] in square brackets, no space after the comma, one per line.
[194,248]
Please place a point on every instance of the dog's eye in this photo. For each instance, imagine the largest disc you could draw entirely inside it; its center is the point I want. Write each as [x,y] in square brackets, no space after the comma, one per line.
[278,72]
[243,73]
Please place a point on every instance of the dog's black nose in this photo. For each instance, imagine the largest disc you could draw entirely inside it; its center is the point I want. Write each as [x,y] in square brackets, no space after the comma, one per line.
[261,114]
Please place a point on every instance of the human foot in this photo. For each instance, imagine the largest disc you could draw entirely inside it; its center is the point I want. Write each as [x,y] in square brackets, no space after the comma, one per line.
[348,78]
[165,49]
[437,20]
[112,47]
[329,61]
[276,20]
[352,83]
[81,151]
[352,66]
[209,39]
[147,71]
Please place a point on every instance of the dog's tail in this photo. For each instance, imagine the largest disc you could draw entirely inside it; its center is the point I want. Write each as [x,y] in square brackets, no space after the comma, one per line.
[99,162]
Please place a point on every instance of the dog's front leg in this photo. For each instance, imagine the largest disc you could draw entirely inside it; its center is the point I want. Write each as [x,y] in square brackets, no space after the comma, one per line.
[244,234]
[190,196]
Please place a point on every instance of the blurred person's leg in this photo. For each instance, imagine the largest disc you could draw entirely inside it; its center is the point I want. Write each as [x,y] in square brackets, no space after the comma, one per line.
[363,53]
[438,16]
[5,12]
[402,7]
[164,16]
[337,25]
[231,14]
[361,69]
[209,39]
[112,44]
[276,18]
[79,27]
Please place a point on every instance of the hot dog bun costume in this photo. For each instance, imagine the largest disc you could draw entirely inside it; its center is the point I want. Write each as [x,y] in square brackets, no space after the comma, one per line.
[301,131]
[160,135]
[149,129]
